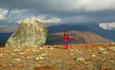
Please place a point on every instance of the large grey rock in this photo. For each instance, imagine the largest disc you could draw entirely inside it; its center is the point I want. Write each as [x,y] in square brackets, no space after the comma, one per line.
[30,33]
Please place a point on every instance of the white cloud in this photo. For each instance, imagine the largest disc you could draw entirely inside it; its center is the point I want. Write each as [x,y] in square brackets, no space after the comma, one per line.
[78,5]
[16,15]
[46,19]
[3,13]
[95,5]
[58,11]
[53,19]
[59,6]
[107,25]
[67,20]
[78,19]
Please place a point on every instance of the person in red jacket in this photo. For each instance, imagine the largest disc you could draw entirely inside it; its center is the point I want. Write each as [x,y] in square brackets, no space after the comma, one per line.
[66,39]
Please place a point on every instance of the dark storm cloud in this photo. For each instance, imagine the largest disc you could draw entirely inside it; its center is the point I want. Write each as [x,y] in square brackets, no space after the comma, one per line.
[61,11]
[60,6]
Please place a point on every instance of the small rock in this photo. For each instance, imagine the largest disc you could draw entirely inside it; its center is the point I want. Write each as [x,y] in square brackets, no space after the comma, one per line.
[38,65]
[71,54]
[43,54]
[17,60]
[51,48]
[37,58]
[72,50]
[13,54]
[41,58]
[81,59]
[16,50]
[113,48]
[28,57]
[93,55]
[1,55]
[35,50]
[101,49]
[105,52]
[41,48]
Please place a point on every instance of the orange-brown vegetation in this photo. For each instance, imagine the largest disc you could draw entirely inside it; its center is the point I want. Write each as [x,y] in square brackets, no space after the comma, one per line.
[55,57]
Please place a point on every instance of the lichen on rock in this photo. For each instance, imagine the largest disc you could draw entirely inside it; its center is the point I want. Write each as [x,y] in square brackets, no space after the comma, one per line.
[30,33]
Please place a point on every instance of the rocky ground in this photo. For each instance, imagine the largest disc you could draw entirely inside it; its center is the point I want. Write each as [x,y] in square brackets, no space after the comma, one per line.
[55,57]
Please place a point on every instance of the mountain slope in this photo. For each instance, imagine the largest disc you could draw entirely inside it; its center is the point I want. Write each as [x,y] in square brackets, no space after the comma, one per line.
[79,34]
[79,37]
[108,34]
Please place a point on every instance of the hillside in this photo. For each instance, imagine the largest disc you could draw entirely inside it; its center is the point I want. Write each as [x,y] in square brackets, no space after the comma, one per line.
[79,34]
[77,37]
[8,29]
[107,34]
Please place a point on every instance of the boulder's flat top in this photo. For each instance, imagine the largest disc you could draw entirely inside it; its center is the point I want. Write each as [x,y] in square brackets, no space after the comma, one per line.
[55,57]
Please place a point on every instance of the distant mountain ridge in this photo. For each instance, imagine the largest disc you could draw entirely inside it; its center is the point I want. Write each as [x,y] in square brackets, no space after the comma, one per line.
[107,34]
[89,33]
[77,37]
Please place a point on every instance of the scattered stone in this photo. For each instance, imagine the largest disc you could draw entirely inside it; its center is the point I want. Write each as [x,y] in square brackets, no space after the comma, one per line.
[30,33]
[17,60]
[105,52]
[93,55]
[72,50]
[71,54]
[37,58]
[28,57]
[78,51]
[16,50]
[38,65]
[81,59]
[1,55]
[113,48]
[97,66]
[41,58]
[101,49]
[13,54]
[43,54]
[41,48]
[51,48]
[35,50]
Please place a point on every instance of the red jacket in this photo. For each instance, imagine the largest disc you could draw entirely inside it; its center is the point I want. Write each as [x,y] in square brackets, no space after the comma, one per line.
[66,37]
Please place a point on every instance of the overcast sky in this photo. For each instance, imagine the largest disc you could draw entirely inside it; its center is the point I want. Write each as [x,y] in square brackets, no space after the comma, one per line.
[58,11]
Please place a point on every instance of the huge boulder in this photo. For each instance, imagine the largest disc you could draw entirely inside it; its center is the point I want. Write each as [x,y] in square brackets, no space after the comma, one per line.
[30,33]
